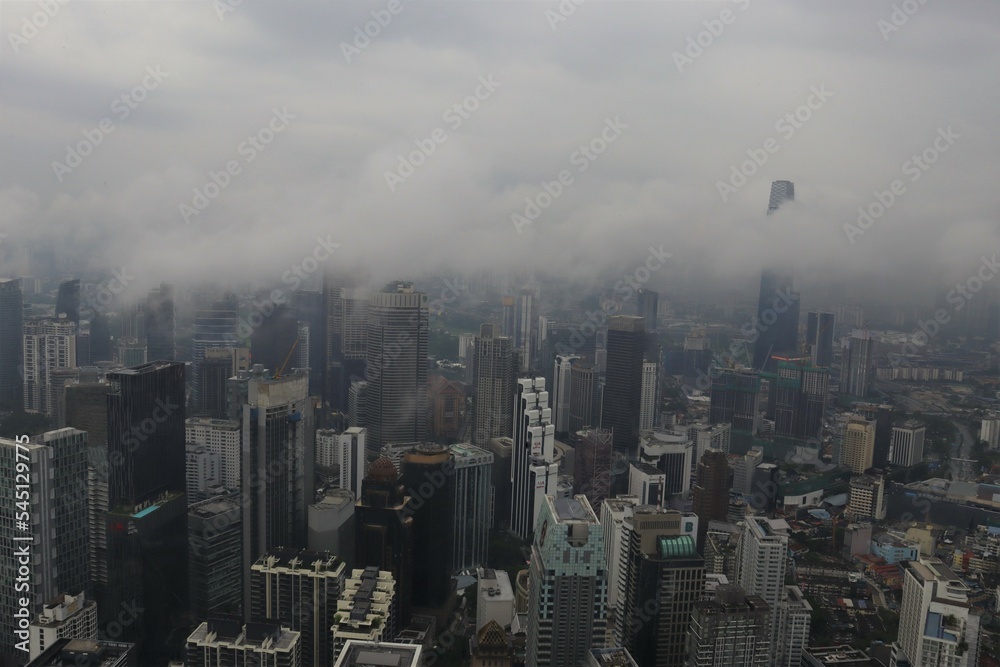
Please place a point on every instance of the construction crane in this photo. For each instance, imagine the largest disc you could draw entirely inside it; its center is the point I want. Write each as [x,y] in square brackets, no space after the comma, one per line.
[277,375]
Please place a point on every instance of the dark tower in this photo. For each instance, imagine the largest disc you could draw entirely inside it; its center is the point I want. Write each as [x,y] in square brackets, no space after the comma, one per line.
[271,342]
[160,324]
[710,494]
[623,386]
[777,305]
[11,345]
[428,477]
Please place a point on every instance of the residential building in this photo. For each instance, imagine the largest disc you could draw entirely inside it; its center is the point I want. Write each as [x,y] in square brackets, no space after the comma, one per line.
[731,629]
[858,448]
[63,617]
[364,611]
[534,473]
[866,500]
[220,643]
[340,457]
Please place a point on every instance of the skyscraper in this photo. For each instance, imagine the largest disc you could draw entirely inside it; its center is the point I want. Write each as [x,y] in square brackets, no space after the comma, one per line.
[68,300]
[710,497]
[583,412]
[777,322]
[798,394]
[341,457]
[473,496]
[533,471]
[819,338]
[49,344]
[219,643]
[856,364]
[623,387]
[11,345]
[159,323]
[427,476]
[524,327]
[734,399]
[907,444]
[592,465]
[561,389]
[396,365]
[275,340]
[647,302]
[781,192]
[858,444]
[215,561]
[493,386]
[647,406]
[568,591]
[731,629]
[214,327]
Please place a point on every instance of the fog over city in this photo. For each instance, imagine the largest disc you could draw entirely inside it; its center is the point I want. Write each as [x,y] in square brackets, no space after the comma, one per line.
[318,122]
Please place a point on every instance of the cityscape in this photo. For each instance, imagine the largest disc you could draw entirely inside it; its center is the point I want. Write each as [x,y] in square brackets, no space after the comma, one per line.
[566,333]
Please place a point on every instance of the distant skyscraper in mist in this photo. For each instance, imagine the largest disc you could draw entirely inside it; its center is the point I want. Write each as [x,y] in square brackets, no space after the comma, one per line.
[856,364]
[777,324]
[493,384]
[781,192]
[819,338]
[159,320]
[11,345]
[524,327]
[623,388]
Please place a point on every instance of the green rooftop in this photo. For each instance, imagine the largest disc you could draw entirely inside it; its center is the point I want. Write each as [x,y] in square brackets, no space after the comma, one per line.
[676,547]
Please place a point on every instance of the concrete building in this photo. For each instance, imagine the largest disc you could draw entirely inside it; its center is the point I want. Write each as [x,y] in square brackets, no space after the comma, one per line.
[672,453]
[648,402]
[592,465]
[73,652]
[364,611]
[866,499]
[218,643]
[734,399]
[894,550]
[744,470]
[710,436]
[731,629]
[584,404]
[907,447]
[49,343]
[858,446]
[857,371]
[11,344]
[215,556]
[202,472]
[794,617]
[385,654]
[63,617]
[340,457]
[710,495]
[331,524]
[989,432]
[222,437]
[495,599]
[647,483]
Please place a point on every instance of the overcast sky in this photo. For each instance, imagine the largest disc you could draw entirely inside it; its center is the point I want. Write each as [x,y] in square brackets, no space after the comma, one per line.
[557,76]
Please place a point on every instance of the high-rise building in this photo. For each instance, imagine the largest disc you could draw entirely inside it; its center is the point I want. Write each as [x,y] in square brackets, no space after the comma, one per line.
[146,523]
[100,338]
[583,404]
[623,386]
[710,436]
[794,619]
[445,409]
[524,327]
[63,617]
[647,405]
[731,629]
[647,483]
[858,444]
[278,463]
[798,394]
[567,607]
[299,590]
[215,556]
[777,322]
[364,610]
[662,576]
[220,643]
[533,471]
[275,341]
[68,300]
[882,415]
[937,623]
[11,345]
[202,472]
[819,338]
[473,496]
[426,474]
[673,454]
[744,471]
[501,478]
[592,465]
[710,494]
[613,514]
[647,302]
[989,431]
[214,327]
[340,457]
[383,522]
[357,406]
[781,192]
[159,324]
[734,399]
[507,318]
[396,365]
[331,524]
[43,515]
[49,344]
[856,364]
[907,448]
[866,499]
[222,437]
[561,388]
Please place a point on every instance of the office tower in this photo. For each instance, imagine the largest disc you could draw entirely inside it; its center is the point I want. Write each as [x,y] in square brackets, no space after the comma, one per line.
[301,355]
[274,343]
[335,281]
[63,617]
[647,483]
[732,629]
[794,618]
[777,322]
[202,471]
[222,438]
[59,379]
[446,406]
[881,414]
[561,389]
[734,399]
[49,344]
[856,364]
[858,445]
[799,397]
[671,453]
[146,523]
[426,475]
[507,328]
[215,556]
[219,643]
[533,471]
[299,589]
[744,470]
[524,327]
[11,345]
[367,654]
[662,576]
[354,322]
[357,403]
[383,535]
[278,463]
[623,385]
[396,365]
[69,652]
[647,302]
[568,591]
[495,598]
[340,458]
[214,327]
[592,465]
[310,310]
[710,494]
[819,338]
[68,300]
[46,501]
[866,499]
[501,476]
[614,511]
[937,623]
[647,405]
[331,524]
[159,324]
[473,500]
[907,447]
[582,396]
[781,192]
[364,610]
[100,338]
